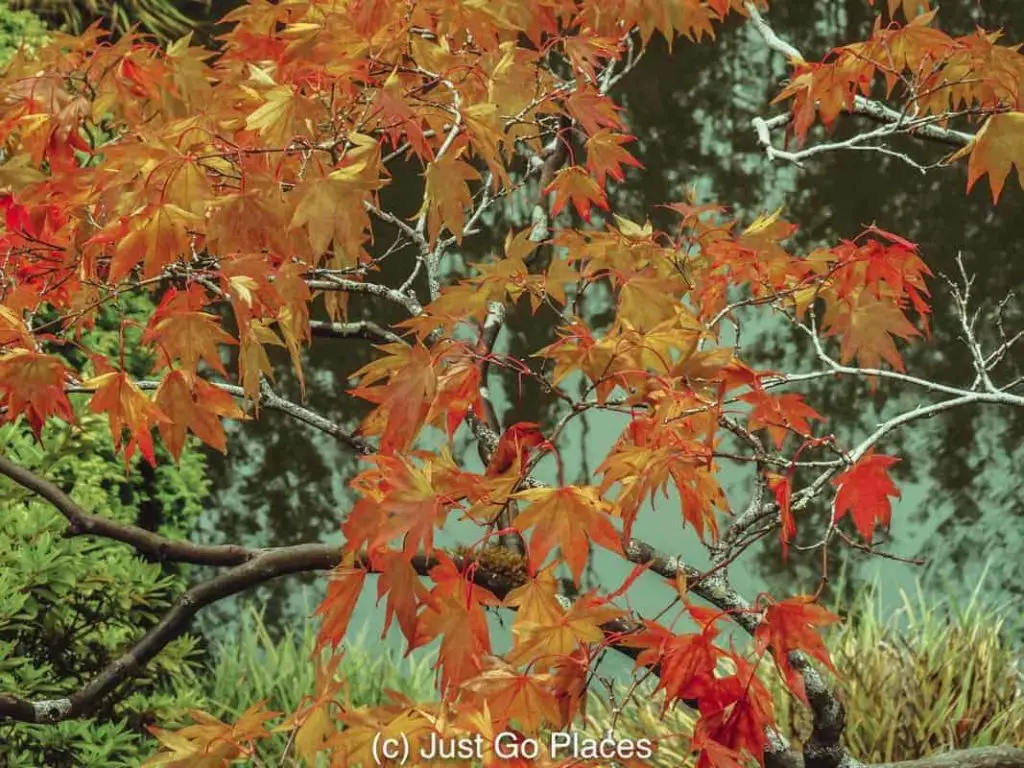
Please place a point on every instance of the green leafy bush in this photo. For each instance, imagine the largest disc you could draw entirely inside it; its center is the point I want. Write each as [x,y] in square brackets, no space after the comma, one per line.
[166,19]
[70,606]
[17,28]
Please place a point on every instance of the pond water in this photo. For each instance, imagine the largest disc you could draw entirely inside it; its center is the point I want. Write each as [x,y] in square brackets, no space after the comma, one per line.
[962,505]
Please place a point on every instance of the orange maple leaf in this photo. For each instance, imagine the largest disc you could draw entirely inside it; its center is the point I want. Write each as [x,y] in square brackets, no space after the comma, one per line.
[521,696]
[33,383]
[343,590]
[405,591]
[866,325]
[570,516]
[411,504]
[465,637]
[605,155]
[647,458]
[189,337]
[193,404]
[127,407]
[543,640]
[253,362]
[574,184]
[593,110]
[393,116]
[997,147]
[156,239]
[447,196]
[458,393]
[405,400]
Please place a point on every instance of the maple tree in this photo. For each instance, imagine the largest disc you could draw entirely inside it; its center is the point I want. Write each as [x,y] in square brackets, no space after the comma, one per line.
[242,187]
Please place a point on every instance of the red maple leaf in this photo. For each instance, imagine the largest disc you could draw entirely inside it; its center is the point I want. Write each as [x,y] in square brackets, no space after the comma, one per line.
[779,414]
[515,443]
[789,625]
[782,488]
[864,490]
[738,709]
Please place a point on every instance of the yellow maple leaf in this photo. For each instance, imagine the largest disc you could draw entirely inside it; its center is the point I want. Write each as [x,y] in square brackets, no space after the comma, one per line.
[276,119]
[447,195]
[996,147]
[569,517]
[253,360]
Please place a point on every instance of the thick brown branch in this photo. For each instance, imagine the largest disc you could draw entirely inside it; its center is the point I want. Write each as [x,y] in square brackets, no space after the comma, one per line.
[267,565]
[145,542]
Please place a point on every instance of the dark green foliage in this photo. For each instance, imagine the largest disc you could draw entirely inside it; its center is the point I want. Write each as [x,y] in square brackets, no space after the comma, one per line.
[70,606]
[17,27]
[166,19]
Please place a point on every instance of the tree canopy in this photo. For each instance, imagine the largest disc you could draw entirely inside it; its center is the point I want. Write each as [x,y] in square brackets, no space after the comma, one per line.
[339,157]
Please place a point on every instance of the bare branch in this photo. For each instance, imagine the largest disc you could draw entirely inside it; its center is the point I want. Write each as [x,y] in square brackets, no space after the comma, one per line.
[773,41]
[330,282]
[360,329]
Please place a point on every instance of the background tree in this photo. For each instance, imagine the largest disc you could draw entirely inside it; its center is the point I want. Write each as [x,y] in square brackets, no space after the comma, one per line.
[243,189]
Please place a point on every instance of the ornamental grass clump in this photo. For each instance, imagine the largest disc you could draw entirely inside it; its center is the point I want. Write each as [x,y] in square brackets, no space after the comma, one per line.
[949,677]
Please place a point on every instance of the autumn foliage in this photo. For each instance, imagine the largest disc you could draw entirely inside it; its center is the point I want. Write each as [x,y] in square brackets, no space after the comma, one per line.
[243,190]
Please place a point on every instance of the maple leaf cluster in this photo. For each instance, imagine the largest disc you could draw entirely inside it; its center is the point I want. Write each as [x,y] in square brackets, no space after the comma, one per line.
[937,75]
[242,188]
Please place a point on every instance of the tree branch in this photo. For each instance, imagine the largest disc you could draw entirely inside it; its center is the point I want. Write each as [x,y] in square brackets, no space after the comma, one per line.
[361,329]
[267,565]
[153,545]
[322,281]
[893,121]
[259,566]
